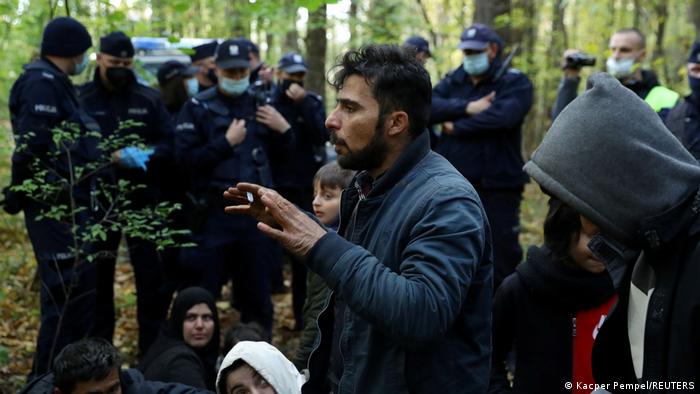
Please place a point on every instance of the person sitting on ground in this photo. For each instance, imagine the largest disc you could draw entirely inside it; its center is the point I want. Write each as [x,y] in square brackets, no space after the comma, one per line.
[187,348]
[550,309]
[257,367]
[329,182]
[93,366]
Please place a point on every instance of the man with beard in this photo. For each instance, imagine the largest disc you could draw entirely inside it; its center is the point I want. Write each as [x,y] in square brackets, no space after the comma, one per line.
[112,97]
[410,267]
[684,119]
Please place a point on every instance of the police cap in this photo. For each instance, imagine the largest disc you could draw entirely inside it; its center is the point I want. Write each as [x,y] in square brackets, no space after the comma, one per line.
[117,44]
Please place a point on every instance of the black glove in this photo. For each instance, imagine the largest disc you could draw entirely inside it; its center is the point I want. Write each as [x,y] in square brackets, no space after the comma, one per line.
[13,201]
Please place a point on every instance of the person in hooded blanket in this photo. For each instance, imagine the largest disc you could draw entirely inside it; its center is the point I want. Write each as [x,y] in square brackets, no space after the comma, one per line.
[609,157]
[257,367]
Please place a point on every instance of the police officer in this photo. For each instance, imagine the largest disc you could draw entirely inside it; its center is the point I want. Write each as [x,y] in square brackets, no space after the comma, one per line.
[259,71]
[482,114]
[41,99]
[221,143]
[684,119]
[628,50]
[177,84]
[203,58]
[112,97]
[421,47]
[293,169]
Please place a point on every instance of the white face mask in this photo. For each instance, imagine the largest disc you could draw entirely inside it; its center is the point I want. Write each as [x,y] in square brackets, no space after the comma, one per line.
[620,68]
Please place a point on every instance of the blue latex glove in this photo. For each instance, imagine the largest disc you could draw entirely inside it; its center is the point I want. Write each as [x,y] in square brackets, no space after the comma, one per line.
[133,157]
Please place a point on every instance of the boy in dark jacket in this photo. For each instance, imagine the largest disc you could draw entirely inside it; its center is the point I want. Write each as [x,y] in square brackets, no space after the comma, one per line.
[550,309]
[329,182]
[609,157]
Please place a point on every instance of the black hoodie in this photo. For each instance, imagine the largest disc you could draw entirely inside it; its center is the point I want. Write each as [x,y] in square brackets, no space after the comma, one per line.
[533,312]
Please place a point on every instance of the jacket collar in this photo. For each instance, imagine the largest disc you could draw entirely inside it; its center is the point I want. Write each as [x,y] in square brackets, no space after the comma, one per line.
[412,155]
[660,230]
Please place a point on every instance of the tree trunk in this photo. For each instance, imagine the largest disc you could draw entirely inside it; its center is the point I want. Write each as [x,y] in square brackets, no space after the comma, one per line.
[559,40]
[637,13]
[239,19]
[291,36]
[695,17]
[487,11]
[353,25]
[316,51]
[662,17]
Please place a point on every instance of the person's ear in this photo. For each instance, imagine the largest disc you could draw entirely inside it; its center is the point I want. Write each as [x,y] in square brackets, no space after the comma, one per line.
[493,51]
[642,55]
[397,123]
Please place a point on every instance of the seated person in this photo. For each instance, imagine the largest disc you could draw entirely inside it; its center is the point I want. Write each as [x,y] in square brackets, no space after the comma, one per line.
[93,366]
[187,348]
[257,367]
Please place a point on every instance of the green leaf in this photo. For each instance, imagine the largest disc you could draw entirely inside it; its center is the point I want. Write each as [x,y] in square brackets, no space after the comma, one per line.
[4,355]
[182,6]
[116,16]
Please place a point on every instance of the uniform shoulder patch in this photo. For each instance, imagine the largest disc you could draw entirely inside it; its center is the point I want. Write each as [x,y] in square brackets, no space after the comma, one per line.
[185,126]
[514,71]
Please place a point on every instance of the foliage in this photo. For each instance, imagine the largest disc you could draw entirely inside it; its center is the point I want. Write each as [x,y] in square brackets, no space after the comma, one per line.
[63,175]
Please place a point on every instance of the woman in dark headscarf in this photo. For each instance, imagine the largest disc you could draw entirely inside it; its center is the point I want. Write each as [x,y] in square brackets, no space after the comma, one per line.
[187,348]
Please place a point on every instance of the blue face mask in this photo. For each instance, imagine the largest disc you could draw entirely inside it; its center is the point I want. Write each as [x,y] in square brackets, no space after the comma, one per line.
[234,87]
[476,64]
[192,87]
[80,67]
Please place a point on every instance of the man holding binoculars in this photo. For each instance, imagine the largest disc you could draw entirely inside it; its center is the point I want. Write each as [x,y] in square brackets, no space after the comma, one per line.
[627,51]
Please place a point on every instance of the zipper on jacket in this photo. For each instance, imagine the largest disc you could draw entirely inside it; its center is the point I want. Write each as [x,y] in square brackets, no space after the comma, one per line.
[317,343]
[573,326]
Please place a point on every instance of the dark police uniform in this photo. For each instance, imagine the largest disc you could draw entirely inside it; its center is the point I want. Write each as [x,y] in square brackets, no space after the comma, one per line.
[293,168]
[486,149]
[684,119]
[42,98]
[144,105]
[214,166]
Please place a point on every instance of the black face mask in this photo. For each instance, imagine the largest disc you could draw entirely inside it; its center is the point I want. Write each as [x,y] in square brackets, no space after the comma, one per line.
[286,83]
[211,75]
[694,86]
[119,76]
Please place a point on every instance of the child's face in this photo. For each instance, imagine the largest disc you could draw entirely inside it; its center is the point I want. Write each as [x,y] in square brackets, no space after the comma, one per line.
[582,256]
[326,203]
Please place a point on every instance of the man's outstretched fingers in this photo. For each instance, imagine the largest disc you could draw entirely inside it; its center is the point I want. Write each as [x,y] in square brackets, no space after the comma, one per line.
[273,233]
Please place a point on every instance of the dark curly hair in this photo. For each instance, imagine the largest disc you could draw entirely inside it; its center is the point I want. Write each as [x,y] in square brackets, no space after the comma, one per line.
[398,81]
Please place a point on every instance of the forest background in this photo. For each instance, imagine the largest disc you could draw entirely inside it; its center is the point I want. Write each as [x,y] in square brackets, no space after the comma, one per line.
[321,30]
